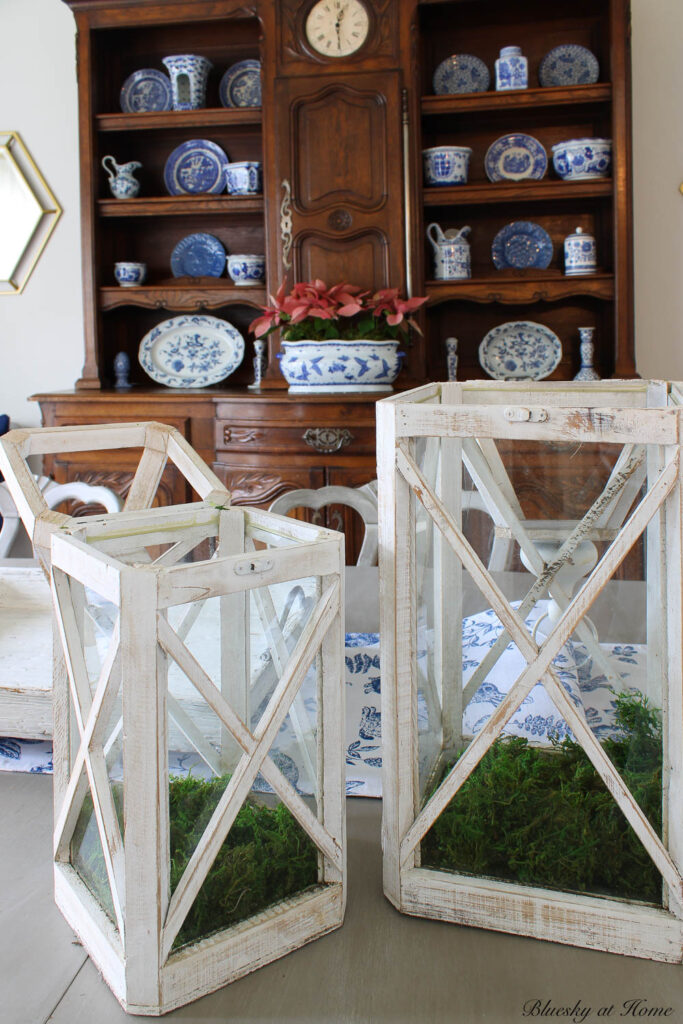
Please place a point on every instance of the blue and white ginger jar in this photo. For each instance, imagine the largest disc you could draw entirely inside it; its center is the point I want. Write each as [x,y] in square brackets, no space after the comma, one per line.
[512,70]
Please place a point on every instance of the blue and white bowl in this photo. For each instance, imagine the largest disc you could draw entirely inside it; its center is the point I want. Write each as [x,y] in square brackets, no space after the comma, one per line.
[247,269]
[128,274]
[243,178]
[338,366]
[446,165]
[578,159]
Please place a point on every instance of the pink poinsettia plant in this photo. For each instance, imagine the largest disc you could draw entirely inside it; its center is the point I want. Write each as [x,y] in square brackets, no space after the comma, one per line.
[313,312]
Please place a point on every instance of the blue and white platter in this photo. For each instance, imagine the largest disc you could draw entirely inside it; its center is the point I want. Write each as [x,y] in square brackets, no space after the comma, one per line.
[461,73]
[195,167]
[515,157]
[522,244]
[569,64]
[520,350]
[198,255]
[240,86]
[191,351]
[146,89]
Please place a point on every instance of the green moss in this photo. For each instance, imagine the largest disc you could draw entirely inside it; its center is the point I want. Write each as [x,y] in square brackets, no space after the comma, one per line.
[265,858]
[544,816]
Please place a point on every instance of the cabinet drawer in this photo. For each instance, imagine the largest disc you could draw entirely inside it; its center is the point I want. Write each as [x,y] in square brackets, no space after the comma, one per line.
[300,440]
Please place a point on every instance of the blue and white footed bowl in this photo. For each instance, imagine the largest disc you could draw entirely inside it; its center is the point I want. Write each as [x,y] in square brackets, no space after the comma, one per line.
[189,74]
[128,273]
[446,165]
[247,269]
[578,159]
[334,366]
[243,178]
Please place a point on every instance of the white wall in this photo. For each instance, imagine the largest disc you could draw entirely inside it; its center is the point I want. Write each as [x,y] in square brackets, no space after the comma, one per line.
[41,331]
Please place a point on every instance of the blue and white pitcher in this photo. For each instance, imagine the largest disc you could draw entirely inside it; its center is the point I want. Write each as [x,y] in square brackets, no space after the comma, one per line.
[122,181]
[451,253]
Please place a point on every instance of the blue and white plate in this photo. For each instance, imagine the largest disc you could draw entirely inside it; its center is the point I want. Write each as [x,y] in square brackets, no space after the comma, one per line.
[240,86]
[514,158]
[191,351]
[198,255]
[522,244]
[569,64]
[195,167]
[146,89]
[461,73]
[520,350]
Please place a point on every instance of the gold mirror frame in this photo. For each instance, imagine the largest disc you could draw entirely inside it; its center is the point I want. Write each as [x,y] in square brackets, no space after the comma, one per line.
[28,214]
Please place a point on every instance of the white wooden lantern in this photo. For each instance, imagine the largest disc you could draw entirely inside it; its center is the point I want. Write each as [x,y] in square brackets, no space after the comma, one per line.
[531,574]
[199,780]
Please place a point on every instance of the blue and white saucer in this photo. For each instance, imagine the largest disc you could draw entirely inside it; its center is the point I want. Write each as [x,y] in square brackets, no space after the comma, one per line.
[569,64]
[522,244]
[146,89]
[520,350]
[191,351]
[240,86]
[515,157]
[461,73]
[198,255]
[195,167]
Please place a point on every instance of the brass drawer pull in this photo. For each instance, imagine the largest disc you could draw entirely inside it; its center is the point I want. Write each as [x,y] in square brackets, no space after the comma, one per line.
[328,439]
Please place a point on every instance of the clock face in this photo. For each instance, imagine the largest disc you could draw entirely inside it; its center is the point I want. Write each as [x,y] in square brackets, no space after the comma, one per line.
[337,28]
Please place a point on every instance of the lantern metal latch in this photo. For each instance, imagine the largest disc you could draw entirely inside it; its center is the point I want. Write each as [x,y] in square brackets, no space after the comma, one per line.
[519,414]
[249,567]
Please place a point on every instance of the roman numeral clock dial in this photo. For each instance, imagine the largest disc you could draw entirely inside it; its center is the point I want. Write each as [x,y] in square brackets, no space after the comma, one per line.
[337,28]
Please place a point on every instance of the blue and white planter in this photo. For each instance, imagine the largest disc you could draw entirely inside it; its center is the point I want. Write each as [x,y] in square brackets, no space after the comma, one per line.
[243,178]
[247,269]
[579,159]
[189,74]
[446,165]
[337,366]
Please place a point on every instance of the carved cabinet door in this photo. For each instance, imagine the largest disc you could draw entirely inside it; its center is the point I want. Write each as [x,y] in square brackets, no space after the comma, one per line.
[340,172]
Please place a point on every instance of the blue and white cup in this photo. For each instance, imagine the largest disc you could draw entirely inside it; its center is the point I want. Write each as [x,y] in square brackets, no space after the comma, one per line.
[128,273]
[580,254]
[247,269]
[512,71]
[243,178]
[446,165]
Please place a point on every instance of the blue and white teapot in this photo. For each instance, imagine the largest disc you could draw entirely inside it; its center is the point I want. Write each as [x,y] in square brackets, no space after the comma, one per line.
[451,252]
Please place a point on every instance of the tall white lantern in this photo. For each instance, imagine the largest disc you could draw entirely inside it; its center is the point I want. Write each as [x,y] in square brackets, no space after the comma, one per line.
[531,574]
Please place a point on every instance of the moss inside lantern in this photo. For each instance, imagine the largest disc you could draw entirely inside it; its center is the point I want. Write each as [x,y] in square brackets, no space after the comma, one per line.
[265,858]
[544,816]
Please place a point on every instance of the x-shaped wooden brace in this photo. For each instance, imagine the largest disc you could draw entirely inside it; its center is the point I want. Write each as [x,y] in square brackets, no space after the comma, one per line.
[539,663]
[256,747]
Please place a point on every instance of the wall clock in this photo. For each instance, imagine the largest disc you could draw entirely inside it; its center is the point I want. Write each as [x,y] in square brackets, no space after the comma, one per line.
[337,28]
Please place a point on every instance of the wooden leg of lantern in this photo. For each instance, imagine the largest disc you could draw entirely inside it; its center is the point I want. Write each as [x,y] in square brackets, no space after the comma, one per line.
[331,786]
[673,674]
[448,577]
[234,639]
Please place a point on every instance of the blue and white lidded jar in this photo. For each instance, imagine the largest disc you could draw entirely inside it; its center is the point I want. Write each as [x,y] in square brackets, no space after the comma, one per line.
[580,256]
[512,71]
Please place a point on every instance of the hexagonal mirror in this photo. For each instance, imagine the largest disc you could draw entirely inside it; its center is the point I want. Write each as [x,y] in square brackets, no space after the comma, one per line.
[28,214]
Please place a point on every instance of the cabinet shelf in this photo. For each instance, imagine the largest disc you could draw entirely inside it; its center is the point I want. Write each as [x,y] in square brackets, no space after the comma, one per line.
[516,191]
[522,288]
[183,297]
[180,206]
[179,119]
[522,99]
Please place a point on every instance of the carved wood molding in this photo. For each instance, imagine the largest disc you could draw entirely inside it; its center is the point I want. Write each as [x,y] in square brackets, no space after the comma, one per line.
[243,435]
[119,481]
[257,488]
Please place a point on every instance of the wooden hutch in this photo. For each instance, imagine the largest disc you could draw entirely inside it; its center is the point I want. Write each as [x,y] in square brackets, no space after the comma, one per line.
[340,139]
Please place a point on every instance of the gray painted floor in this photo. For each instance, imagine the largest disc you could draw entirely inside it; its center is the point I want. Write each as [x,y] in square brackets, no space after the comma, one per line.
[380,967]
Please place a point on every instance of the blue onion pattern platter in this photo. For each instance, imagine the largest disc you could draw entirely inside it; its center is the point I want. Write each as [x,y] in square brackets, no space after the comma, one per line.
[198,255]
[144,90]
[461,73]
[240,86]
[195,167]
[191,351]
[569,64]
[520,350]
[522,244]
[515,157]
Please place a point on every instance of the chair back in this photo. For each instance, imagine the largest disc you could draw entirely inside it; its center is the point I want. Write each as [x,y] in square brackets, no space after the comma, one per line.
[362,499]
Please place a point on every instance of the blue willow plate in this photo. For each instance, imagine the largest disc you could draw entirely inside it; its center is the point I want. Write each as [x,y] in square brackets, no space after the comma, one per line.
[520,350]
[515,157]
[570,64]
[198,255]
[195,167]
[146,89]
[522,244]
[191,351]
[461,73]
[240,86]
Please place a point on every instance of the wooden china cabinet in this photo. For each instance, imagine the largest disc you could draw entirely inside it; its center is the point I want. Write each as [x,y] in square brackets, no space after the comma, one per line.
[340,138]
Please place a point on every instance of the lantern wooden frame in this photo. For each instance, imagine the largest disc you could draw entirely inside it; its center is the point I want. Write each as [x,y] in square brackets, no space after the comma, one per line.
[475,414]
